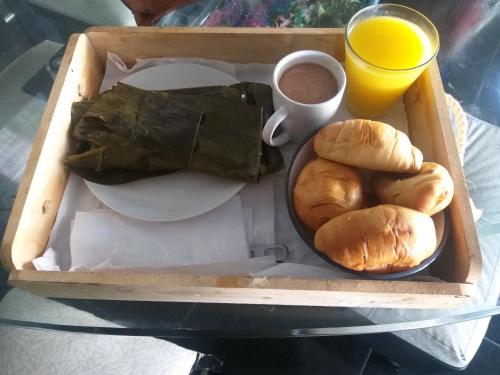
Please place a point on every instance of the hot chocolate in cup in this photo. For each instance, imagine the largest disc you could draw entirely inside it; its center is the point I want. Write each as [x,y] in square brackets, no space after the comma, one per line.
[307,89]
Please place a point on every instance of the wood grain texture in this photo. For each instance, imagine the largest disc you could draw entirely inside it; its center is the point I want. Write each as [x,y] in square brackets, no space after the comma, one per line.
[234,289]
[238,45]
[79,76]
[431,131]
[44,179]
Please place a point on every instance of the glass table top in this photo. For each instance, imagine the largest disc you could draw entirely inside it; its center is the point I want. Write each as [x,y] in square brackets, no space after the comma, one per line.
[32,41]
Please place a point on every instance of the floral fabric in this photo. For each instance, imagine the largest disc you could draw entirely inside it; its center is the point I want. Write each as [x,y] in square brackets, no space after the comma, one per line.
[285,13]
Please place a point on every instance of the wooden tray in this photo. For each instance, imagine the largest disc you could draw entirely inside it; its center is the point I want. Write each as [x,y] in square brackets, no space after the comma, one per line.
[79,77]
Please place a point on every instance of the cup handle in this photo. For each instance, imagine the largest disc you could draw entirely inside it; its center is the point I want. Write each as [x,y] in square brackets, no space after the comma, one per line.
[270,127]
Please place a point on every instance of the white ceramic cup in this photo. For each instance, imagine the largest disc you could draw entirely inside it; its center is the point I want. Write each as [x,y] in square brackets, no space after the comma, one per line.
[298,119]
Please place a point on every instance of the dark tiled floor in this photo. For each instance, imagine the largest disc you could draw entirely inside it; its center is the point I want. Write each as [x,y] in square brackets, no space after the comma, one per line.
[329,355]
[287,356]
[494,330]
[336,355]
[378,364]
[339,355]
[10,31]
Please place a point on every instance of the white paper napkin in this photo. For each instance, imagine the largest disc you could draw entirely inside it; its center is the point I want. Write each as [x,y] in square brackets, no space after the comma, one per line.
[116,69]
[106,239]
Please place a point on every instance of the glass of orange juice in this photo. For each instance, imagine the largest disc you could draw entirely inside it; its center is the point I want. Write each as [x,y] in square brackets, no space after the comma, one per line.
[387,48]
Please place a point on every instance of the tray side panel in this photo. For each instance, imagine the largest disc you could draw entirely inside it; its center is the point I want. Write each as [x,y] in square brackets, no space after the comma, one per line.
[43,182]
[238,45]
[231,289]
[431,131]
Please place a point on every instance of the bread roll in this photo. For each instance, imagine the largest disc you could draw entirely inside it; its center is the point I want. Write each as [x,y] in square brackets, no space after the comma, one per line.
[429,191]
[325,189]
[368,144]
[382,239]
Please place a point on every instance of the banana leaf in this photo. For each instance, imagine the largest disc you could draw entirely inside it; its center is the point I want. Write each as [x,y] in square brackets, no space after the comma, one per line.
[251,93]
[259,94]
[228,142]
[158,134]
[129,133]
[132,134]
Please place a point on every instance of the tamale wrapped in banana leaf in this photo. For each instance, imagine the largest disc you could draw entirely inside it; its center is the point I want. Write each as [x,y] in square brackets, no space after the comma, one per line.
[228,141]
[132,134]
[251,93]
[128,133]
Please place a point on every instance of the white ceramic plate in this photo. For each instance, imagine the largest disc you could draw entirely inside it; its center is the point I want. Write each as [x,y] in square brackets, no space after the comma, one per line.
[179,195]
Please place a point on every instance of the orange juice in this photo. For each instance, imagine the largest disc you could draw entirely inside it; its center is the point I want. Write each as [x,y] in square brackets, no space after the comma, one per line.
[384,56]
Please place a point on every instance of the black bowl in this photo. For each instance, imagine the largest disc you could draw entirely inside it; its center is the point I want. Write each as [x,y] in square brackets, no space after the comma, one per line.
[301,157]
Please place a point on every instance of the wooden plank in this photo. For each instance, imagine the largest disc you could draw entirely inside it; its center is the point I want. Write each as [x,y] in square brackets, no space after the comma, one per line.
[239,45]
[431,131]
[232,289]
[44,179]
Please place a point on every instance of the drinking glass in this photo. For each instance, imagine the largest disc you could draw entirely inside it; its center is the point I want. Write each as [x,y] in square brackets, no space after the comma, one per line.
[385,58]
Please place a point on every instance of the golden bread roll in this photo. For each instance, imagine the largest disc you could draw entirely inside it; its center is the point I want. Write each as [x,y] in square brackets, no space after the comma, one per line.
[368,144]
[429,191]
[325,189]
[382,239]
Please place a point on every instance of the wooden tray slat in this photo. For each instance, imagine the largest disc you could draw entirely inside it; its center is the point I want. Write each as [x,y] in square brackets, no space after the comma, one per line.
[236,45]
[233,289]
[41,188]
[431,131]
